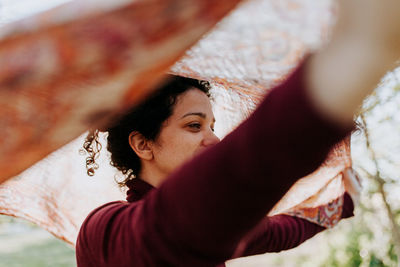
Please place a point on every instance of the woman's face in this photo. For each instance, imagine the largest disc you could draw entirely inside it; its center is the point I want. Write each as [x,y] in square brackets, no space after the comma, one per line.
[188,131]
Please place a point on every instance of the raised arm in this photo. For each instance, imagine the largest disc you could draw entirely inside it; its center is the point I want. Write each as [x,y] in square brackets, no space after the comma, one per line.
[283,232]
[199,214]
[216,198]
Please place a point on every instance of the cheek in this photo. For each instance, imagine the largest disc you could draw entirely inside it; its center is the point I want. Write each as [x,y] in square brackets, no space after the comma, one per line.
[179,149]
[185,146]
[189,143]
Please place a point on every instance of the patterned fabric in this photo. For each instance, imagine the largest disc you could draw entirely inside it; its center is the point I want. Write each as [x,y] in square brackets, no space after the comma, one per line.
[64,71]
[322,186]
[81,64]
[327,215]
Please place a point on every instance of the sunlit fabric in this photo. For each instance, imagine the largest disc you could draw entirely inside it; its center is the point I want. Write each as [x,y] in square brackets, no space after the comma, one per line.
[81,64]
[71,68]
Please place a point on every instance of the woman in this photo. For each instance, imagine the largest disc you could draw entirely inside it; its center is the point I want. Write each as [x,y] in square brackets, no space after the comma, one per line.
[150,143]
[203,211]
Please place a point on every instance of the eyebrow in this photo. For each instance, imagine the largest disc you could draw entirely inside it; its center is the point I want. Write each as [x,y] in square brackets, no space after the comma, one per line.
[200,114]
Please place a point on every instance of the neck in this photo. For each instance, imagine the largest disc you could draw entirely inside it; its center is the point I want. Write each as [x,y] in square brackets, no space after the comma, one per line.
[151,175]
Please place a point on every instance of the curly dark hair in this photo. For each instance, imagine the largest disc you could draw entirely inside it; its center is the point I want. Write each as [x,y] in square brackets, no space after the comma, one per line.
[147,119]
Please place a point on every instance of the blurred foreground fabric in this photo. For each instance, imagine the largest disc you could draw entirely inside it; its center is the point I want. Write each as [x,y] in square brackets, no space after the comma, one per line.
[82,64]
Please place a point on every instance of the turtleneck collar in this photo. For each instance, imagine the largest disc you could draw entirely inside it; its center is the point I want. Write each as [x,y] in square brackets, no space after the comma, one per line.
[137,189]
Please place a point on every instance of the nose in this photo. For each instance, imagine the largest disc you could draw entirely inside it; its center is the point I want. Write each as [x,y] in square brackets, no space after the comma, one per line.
[210,139]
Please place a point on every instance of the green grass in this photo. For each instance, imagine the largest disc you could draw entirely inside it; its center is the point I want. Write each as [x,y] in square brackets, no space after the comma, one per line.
[23,244]
[51,253]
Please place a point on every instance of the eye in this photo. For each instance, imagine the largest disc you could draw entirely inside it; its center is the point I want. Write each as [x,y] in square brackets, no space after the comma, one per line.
[195,126]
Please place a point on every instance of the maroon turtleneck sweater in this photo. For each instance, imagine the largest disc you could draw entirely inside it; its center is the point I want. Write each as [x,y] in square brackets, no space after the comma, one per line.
[218,201]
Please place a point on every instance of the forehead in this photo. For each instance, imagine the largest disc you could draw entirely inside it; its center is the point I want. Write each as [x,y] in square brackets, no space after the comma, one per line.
[193,100]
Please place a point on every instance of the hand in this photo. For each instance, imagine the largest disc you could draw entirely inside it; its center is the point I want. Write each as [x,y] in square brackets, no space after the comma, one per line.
[365,45]
[372,21]
[352,184]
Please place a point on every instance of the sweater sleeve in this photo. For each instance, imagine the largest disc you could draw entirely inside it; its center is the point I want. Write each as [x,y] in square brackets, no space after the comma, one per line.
[202,211]
[283,232]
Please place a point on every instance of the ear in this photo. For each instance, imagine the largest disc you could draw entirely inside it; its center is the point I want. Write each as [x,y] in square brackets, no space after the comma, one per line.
[140,145]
